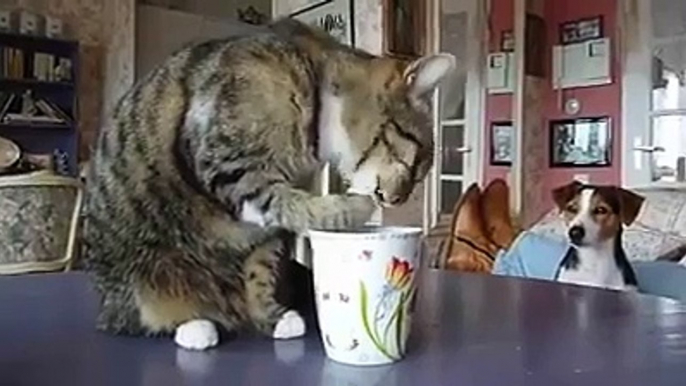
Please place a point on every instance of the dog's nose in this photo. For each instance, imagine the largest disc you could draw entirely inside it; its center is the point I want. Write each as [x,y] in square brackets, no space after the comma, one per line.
[576,234]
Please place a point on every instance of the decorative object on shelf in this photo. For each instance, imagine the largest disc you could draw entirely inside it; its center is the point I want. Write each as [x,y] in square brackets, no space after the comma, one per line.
[28,22]
[28,106]
[5,20]
[502,141]
[584,142]
[53,27]
[50,68]
[9,154]
[41,161]
[404,27]
[507,41]
[333,16]
[580,31]
[14,161]
[63,70]
[252,16]
[61,162]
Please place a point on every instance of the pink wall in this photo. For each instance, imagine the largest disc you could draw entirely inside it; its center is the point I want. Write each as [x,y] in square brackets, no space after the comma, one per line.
[498,107]
[595,101]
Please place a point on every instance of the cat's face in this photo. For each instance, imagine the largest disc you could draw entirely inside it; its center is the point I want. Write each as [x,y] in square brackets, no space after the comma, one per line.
[388,120]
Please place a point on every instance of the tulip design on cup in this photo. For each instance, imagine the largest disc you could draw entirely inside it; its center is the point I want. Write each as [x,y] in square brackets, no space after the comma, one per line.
[387,329]
[398,274]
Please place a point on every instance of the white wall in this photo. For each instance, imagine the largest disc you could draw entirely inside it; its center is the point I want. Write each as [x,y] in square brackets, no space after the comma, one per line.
[161,31]
[226,9]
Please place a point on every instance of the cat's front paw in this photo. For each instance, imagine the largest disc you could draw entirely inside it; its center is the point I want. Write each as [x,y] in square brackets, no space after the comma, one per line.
[359,210]
[197,335]
[291,325]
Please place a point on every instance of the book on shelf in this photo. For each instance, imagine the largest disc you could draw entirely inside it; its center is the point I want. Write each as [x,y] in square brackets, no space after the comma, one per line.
[6,100]
[41,66]
[12,118]
[12,63]
[53,111]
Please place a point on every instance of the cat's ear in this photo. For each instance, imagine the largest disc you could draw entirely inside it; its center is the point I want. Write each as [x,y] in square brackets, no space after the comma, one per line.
[424,74]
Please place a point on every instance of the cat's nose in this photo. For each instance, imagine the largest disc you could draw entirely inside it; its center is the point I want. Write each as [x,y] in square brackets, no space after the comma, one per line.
[395,196]
[395,200]
[391,199]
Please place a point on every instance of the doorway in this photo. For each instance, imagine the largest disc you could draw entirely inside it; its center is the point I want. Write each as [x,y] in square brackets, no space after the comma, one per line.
[459,29]
[655,94]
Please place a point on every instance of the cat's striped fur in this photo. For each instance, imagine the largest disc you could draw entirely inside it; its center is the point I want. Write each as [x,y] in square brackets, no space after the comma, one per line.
[193,190]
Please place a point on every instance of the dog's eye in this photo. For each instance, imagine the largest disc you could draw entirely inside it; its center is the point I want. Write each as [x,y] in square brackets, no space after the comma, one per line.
[572,209]
[600,210]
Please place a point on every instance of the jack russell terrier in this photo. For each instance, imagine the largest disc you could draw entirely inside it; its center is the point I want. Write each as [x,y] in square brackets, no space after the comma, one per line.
[595,217]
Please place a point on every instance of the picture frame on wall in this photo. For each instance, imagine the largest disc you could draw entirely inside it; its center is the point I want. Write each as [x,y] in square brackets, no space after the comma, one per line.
[502,143]
[582,30]
[334,16]
[298,6]
[584,142]
[507,41]
[404,26]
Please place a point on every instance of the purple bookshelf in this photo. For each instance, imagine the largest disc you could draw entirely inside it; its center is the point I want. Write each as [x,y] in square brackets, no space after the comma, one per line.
[48,68]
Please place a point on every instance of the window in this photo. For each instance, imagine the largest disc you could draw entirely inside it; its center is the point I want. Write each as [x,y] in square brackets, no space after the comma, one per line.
[668,111]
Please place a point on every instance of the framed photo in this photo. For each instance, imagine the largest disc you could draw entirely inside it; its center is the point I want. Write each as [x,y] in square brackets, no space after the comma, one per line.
[298,6]
[585,142]
[404,27]
[581,30]
[507,41]
[333,16]
[502,141]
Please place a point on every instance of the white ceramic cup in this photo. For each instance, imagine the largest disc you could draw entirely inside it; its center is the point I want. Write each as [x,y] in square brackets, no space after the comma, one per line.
[365,286]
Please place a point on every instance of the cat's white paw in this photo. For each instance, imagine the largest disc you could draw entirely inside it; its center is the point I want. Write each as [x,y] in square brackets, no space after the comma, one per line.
[197,334]
[291,325]
[252,214]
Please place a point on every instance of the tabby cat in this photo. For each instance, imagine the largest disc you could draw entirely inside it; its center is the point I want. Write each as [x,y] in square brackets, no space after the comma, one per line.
[196,187]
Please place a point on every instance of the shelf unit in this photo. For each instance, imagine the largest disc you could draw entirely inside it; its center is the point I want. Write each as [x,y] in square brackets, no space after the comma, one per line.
[40,137]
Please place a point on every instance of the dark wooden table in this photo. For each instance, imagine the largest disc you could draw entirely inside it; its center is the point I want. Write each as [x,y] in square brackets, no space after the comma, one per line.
[472,330]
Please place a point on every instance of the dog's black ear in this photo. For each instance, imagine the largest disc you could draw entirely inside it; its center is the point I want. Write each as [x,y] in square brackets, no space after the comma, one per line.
[564,194]
[630,206]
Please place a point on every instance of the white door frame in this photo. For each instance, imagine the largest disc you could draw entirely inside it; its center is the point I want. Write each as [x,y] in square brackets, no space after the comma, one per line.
[475,95]
[475,101]
[635,25]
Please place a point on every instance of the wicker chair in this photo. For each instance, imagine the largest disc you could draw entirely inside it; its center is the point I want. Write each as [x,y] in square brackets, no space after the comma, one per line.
[39,222]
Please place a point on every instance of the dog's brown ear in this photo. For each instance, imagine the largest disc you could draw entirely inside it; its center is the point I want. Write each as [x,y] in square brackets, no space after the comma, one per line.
[630,206]
[564,194]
